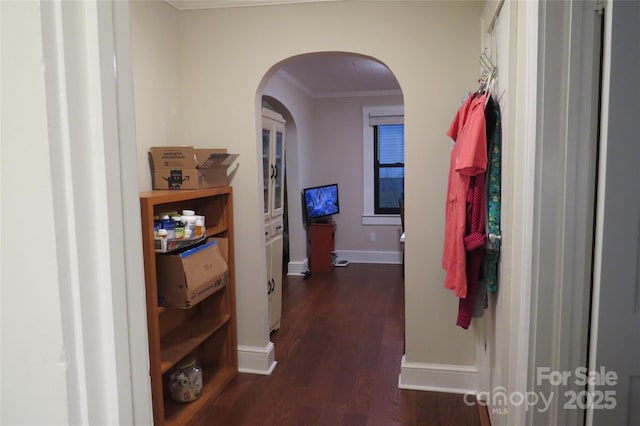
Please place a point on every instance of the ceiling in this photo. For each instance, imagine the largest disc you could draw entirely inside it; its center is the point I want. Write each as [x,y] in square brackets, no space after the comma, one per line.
[318,74]
[339,74]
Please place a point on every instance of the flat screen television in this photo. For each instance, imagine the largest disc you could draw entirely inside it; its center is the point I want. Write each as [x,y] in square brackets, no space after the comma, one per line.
[320,202]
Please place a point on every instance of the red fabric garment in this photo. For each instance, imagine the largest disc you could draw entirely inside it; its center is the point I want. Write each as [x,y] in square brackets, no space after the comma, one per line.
[468,158]
[474,242]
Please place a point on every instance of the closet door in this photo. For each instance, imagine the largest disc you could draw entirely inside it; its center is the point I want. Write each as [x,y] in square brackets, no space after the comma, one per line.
[615,334]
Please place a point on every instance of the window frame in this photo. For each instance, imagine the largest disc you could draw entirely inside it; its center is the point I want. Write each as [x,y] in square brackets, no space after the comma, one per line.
[369,217]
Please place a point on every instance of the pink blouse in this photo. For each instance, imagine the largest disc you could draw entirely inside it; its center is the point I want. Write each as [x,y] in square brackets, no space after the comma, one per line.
[468,158]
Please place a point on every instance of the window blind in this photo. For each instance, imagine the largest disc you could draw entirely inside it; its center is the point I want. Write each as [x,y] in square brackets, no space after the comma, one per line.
[391,144]
[378,120]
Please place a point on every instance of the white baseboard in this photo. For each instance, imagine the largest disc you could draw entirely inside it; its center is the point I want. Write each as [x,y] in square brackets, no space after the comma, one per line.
[364,256]
[298,268]
[438,377]
[257,360]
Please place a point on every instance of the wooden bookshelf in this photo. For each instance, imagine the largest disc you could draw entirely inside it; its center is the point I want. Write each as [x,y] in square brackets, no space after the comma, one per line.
[206,331]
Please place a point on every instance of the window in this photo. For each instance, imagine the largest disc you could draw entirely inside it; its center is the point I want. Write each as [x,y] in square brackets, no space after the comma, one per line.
[388,168]
[383,160]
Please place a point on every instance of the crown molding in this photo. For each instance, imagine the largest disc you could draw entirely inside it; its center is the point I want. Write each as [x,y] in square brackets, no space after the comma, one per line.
[217,4]
[352,94]
[395,92]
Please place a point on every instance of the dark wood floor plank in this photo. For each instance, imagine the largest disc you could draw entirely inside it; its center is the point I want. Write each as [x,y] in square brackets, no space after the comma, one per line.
[338,351]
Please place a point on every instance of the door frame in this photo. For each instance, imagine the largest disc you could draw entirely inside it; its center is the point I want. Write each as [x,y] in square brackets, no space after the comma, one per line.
[616,238]
[538,342]
[564,214]
[90,113]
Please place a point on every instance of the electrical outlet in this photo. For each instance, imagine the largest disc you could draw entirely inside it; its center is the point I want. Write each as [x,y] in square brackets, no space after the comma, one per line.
[372,237]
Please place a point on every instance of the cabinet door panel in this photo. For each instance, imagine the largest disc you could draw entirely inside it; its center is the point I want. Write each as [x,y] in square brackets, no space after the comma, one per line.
[268,249]
[278,180]
[275,303]
[266,169]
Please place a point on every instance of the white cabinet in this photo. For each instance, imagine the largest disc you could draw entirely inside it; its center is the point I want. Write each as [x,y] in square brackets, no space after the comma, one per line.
[273,143]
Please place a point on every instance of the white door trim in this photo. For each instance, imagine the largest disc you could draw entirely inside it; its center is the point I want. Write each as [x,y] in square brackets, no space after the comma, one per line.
[89,90]
[524,145]
[503,345]
[138,340]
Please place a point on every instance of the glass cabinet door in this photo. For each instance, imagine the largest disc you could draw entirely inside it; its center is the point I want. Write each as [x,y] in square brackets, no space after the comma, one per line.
[273,164]
[278,189]
[266,167]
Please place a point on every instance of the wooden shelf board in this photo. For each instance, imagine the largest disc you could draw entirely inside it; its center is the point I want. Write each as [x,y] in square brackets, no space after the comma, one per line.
[215,378]
[185,338]
[162,196]
[215,230]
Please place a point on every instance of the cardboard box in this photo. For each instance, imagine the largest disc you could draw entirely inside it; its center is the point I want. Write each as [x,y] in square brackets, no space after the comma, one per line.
[185,167]
[223,245]
[189,277]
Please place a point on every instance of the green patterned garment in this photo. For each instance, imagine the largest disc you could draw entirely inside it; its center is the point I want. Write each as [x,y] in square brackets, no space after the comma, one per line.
[493,206]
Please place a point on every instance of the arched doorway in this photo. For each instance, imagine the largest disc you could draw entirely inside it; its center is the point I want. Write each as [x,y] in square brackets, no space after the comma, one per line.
[322,97]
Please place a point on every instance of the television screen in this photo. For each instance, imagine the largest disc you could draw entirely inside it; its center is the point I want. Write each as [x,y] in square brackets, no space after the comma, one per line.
[321,202]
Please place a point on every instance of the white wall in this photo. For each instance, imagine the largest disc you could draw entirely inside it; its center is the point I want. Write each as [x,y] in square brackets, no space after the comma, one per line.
[32,336]
[155,41]
[431,47]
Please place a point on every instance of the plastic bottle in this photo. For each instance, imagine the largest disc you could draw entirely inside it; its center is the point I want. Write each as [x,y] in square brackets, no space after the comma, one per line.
[189,218]
[199,227]
[167,223]
[162,234]
[156,226]
[179,227]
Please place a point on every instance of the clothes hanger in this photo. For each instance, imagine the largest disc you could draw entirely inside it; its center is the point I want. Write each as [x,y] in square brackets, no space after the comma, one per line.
[488,75]
[488,72]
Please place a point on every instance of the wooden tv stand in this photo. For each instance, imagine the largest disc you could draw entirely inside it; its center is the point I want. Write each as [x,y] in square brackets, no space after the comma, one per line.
[323,243]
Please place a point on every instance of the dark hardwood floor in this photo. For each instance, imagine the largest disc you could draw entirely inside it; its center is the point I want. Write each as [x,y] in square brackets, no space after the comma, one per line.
[338,351]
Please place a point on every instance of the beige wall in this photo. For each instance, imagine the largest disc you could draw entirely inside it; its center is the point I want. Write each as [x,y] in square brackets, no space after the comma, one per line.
[337,151]
[325,146]
[432,48]
[155,42]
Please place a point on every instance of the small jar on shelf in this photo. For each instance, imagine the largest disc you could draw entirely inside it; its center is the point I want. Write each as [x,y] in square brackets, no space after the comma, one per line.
[185,381]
